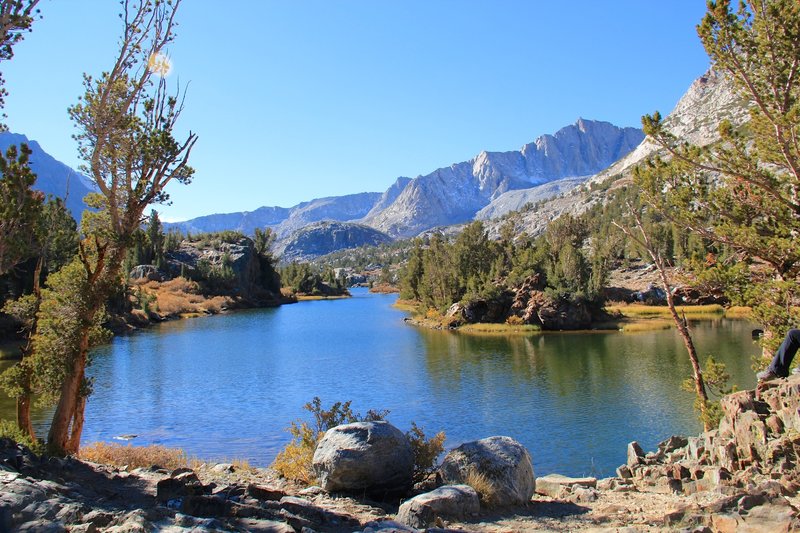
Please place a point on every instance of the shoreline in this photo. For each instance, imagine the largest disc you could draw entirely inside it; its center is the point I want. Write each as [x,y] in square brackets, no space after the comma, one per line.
[633,318]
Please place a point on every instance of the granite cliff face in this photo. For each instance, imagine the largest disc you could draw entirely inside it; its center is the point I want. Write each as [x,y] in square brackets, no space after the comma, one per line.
[52,176]
[456,193]
[696,117]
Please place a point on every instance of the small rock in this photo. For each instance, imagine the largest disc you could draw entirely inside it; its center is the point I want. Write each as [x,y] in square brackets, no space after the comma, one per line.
[260,492]
[451,502]
[551,484]
[223,468]
[635,454]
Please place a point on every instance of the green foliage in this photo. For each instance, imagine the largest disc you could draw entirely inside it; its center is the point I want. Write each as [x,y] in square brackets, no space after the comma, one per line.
[57,341]
[742,192]
[9,430]
[311,280]
[473,267]
[20,207]
[17,17]
[294,462]
[717,384]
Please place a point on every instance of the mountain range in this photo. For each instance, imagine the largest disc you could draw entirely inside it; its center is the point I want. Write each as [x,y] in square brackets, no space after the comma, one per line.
[564,172]
[486,186]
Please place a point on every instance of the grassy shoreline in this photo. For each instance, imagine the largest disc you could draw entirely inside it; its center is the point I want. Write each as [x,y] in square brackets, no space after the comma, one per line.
[626,318]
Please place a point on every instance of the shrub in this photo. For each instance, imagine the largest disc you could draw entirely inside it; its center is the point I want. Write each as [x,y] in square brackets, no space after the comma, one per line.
[514,320]
[295,460]
[426,451]
[134,456]
[9,430]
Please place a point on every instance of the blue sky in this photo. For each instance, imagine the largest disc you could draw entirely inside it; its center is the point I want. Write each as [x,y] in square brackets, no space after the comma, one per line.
[295,99]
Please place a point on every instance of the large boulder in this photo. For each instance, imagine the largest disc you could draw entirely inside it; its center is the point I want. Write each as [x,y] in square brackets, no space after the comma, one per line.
[451,502]
[503,463]
[364,456]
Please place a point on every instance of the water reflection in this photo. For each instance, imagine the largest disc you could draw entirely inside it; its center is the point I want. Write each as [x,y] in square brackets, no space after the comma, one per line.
[228,386]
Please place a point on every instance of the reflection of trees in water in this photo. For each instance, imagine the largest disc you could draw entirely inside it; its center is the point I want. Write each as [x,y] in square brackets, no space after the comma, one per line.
[588,365]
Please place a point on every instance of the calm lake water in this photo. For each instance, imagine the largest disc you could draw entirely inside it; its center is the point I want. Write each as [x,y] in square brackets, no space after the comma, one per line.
[228,386]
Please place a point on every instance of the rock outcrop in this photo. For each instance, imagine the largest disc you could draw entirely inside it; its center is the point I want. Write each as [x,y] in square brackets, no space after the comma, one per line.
[534,306]
[372,457]
[503,462]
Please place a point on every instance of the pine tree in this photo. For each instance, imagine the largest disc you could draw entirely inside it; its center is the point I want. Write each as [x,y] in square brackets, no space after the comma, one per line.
[744,192]
[125,123]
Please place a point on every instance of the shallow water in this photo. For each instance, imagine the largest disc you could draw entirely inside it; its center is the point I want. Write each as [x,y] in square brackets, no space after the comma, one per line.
[228,386]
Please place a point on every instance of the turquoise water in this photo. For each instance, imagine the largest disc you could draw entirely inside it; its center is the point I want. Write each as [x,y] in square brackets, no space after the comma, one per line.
[228,386]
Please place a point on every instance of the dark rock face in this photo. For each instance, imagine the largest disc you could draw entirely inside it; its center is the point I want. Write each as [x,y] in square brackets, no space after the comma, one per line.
[534,306]
[252,276]
[364,456]
[148,272]
[503,461]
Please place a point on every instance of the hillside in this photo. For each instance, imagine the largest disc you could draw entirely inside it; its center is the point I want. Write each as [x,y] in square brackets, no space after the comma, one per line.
[52,176]
[322,238]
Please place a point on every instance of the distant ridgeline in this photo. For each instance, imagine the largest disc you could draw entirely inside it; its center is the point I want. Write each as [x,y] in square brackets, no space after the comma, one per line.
[52,176]
[487,186]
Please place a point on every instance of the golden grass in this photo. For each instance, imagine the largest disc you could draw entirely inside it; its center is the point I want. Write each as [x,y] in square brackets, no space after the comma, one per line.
[646,325]
[181,297]
[639,310]
[500,329]
[114,454]
[483,486]
[134,456]
[406,305]
[738,311]
[384,288]
[308,298]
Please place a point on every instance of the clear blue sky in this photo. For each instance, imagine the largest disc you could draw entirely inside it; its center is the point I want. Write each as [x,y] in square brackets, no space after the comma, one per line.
[296,99]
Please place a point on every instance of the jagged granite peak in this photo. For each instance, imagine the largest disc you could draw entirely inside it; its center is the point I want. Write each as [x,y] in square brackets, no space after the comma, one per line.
[320,238]
[52,176]
[709,100]
[282,220]
[390,195]
[455,194]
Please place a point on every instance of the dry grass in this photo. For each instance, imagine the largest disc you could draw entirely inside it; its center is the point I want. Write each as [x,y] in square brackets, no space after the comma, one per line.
[499,329]
[646,325]
[736,311]
[134,456]
[181,296]
[406,305]
[639,310]
[484,487]
[384,288]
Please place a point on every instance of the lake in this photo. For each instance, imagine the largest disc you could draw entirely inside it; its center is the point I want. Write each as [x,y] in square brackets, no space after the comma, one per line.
[227,386]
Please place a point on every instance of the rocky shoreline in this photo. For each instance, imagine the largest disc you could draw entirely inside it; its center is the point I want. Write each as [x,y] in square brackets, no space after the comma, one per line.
[742,476]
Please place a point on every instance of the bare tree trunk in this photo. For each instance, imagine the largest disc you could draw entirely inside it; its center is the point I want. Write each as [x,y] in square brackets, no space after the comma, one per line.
[697,374]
